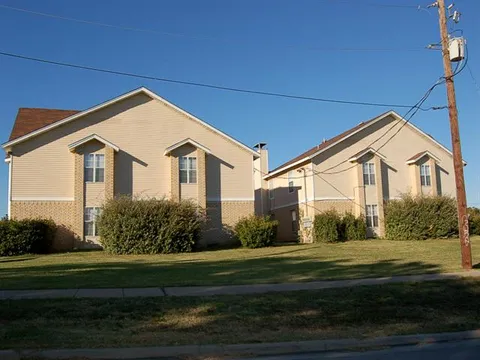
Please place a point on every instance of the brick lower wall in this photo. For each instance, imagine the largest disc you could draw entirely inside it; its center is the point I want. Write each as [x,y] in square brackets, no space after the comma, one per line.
[222,217]
[342,206]
[62,212]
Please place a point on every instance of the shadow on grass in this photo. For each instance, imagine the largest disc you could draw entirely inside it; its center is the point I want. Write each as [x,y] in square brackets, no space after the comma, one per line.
[271,269]
[336,313]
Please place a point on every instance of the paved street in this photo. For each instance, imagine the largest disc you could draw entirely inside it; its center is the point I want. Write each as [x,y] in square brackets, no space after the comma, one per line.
[463,350]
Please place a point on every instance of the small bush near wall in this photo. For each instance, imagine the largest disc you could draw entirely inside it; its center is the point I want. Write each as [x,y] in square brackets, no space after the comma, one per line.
[152,226]
[474,220]
[420,218]
[330,226]
[31,236]
[355,228]
[256,231]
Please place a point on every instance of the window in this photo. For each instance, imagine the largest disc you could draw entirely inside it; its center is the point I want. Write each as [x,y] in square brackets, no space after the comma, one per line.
[293,213]
[425,178]
[372,215]
[188,170]
[368,174]
[91,214]
[94,168]
[271,190]
[290,182]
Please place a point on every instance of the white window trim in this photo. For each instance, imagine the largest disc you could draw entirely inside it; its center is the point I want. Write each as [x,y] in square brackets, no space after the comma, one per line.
[371,166]
[96,212]
[291,188]
[426,174]
[187,162]
[94,179]
[372,214]
[271,190]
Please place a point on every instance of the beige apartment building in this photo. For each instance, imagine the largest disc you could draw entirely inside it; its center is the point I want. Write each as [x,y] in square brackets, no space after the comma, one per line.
[63,164]
[357,171]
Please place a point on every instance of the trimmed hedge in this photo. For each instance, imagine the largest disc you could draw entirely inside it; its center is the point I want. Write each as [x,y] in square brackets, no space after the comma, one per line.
[330,226]
[152,226]
[420,218]
[256,231]
[474,220]
[30,236]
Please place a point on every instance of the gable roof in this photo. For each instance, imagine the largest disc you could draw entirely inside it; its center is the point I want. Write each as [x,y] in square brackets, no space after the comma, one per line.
[420,155]
[169,149]
[86,139]
[48,125]
[364,152]
[32,119]
[310,154]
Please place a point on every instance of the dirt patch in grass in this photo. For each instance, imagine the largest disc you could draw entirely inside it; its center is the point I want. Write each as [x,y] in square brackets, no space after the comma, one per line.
[359,312]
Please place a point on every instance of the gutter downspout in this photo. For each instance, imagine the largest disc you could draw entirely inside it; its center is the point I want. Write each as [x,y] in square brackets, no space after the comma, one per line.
[10,162]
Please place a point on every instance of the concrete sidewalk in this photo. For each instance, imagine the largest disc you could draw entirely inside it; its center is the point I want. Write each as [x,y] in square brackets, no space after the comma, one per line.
[257,349]
[223,290]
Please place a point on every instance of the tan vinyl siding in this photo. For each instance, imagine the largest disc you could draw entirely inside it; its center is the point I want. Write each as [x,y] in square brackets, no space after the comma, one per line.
[94,194]
[397,175]
[142,128]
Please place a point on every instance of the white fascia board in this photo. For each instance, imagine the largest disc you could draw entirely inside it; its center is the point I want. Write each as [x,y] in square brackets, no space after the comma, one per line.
[366,151]
[120,98]
[75,144]
[270,175]
[426,152]
[169,149]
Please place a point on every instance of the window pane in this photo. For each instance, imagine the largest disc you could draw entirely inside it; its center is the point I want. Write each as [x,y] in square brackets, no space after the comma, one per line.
[290,186]
[372,179]
[375,221]
[89,161]
[193,176]
[192,163]
[428,180]
[183,163]
[88,214]
[89,228]
[366,179]
[99,161]
[99,175]
[88,174]
[372,168]
[375,210]
[183,176]
[365,168]
[369,221]
[422,180]
[422,169]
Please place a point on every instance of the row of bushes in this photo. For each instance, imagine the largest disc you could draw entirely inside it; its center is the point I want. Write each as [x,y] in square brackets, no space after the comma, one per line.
[162,226]
[330,226]
[18,237]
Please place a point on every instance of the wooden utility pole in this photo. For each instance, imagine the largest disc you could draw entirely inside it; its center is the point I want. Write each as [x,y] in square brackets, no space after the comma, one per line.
[456,147]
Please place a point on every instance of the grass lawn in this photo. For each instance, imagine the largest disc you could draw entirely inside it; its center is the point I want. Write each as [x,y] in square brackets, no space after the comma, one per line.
[359,312]
[356,259]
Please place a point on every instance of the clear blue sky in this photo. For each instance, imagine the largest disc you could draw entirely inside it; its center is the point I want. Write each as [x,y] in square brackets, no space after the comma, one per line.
[268,45]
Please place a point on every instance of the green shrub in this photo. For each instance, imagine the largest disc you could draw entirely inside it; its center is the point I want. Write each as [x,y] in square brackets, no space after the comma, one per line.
[420,218]
[152,226]
[256,231]
[355,228]
[474,220]
[328,227]
[30,236]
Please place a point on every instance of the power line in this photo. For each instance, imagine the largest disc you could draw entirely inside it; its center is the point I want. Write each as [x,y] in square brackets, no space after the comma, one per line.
[197,37]
[473,79]
[360,3]
[204,85]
